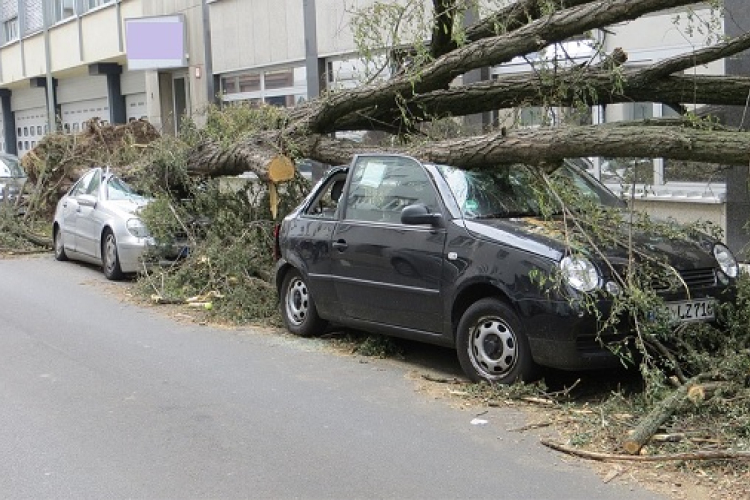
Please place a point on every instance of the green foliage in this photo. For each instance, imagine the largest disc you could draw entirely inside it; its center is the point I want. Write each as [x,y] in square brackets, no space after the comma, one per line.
[226,223]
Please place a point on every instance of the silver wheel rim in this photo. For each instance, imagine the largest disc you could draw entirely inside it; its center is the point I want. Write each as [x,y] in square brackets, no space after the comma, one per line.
[297,301]
[493,347]
[110,253]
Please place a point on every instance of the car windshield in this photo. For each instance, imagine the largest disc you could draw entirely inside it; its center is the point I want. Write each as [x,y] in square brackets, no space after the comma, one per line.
[9,167]
[117,189]
[517,190]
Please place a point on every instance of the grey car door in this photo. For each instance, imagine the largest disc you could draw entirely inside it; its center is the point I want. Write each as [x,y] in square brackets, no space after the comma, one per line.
[71,212]
[385,271]
[88,225]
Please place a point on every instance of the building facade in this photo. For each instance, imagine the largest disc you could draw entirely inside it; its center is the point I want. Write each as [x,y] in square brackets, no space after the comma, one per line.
[65,61]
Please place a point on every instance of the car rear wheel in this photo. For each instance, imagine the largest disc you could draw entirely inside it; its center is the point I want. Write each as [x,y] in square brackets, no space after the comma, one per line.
[298,307]
[110,257]
[492,345]
[59,245]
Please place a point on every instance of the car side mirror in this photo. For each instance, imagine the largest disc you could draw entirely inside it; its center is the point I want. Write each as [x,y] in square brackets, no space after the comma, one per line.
[87,200]
[420,214]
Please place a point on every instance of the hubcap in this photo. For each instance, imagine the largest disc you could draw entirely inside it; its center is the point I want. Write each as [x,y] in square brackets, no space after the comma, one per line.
[297,301]
[493,346]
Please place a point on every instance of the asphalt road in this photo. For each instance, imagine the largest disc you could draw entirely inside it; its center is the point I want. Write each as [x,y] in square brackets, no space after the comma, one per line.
[103,399]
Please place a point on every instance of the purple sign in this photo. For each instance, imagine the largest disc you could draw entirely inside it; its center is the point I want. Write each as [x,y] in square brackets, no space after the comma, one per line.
[155,42]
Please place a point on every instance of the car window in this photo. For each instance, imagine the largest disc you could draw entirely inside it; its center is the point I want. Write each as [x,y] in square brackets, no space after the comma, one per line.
[326,204]
[382,186]
[96,181]
[82,185]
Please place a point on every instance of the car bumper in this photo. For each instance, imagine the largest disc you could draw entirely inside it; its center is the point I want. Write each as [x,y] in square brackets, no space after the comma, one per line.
[139,254]
[566,337]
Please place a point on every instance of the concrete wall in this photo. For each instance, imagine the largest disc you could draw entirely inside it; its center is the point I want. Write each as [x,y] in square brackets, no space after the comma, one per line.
[252,33]
[685,212]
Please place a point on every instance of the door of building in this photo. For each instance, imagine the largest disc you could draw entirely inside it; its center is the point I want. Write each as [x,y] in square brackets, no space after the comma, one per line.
[181,98]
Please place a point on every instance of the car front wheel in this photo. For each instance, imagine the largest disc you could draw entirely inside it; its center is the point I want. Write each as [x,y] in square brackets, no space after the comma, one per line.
[298,307]
[492,346]
[110,258]
[59,245]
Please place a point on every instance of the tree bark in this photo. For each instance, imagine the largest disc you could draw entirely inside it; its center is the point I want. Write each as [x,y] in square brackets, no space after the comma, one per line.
[536,146]
[659,414]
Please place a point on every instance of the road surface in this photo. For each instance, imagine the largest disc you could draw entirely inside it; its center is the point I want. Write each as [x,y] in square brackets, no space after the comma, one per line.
[103,399]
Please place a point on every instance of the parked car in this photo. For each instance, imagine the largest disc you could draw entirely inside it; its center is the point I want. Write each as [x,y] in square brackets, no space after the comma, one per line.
[97,222]
[12,177]
[448,256]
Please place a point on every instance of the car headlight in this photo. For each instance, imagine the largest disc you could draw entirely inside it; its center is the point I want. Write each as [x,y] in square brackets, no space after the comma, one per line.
[580,273]
[137,228]
[726,260]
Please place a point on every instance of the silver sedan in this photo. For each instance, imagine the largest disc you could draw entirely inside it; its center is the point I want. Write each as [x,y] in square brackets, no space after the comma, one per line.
[97,221]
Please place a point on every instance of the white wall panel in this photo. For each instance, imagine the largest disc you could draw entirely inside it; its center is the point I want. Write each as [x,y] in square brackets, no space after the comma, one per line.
[252,33]
[81,88]
[22,99]
[133,82]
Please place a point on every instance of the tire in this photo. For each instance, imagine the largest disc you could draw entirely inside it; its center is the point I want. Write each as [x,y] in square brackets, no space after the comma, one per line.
[492,346]
[110,257]
[298,307]
[57,240]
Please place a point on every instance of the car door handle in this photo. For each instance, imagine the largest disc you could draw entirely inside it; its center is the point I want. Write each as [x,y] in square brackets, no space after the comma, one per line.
[340,245]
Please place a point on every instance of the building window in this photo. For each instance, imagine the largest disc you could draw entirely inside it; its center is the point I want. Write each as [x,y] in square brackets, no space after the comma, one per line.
[92,4]
[10,30]
[64,9]
[250,82]
[284,87]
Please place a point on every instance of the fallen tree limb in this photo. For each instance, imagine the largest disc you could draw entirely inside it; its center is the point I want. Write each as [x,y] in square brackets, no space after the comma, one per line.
[604,457]
[691,390]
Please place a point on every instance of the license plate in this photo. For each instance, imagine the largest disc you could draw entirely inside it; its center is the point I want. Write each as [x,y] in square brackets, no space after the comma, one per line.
[692,310]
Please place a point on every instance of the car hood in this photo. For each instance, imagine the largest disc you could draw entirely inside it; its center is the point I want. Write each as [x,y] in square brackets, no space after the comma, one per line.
[547,237]
[127,207]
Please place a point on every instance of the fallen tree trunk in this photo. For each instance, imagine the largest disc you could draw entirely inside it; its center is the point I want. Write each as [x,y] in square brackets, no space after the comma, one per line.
[530,146]
[659,414]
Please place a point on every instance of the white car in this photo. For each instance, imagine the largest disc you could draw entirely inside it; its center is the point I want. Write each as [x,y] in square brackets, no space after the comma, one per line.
[97,221]
[12,177]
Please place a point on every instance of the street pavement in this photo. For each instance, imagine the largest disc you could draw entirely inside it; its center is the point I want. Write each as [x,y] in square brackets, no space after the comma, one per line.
[101,398]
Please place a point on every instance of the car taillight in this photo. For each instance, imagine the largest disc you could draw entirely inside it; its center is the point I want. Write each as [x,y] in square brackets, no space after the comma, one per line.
[276,246]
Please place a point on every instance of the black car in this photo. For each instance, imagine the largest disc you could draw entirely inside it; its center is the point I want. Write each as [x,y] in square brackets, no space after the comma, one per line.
[457,258]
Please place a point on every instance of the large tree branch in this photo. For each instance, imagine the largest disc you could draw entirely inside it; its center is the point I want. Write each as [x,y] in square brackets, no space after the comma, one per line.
[695,58]
[556,143]
[514,16]
[526,90]
[551,29]
[591,85]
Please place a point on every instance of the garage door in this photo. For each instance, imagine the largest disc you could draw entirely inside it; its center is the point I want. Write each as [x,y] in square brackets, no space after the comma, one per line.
[75,114]
[31,126]
[136,107]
